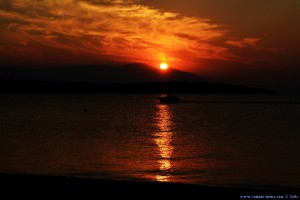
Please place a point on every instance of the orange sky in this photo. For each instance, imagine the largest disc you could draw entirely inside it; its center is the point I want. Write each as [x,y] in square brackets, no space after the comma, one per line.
[207,37]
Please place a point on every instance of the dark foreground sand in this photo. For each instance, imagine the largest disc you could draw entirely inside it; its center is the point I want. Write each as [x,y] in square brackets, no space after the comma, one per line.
[56,187]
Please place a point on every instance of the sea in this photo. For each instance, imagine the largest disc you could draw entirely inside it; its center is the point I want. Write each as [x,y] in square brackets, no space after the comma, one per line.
[246,140]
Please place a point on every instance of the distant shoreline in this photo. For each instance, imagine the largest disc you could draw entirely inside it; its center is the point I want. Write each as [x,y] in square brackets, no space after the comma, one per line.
[184,87]
[73,186]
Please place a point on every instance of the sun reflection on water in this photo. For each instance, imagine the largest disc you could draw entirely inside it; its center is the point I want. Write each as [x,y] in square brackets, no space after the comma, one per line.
[163,139]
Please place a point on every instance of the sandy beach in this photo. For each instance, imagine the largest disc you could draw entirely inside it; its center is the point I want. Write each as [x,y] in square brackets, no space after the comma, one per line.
[58,186]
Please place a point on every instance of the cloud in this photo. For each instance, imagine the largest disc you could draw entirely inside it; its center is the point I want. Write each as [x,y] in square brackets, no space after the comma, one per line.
[254,46]
[83,31]
[6,4]
[246,42]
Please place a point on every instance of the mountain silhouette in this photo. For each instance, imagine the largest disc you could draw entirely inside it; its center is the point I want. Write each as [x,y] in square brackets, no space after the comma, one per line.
[98,74]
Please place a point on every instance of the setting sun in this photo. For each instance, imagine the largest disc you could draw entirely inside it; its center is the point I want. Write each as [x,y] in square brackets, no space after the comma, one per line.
[164,66]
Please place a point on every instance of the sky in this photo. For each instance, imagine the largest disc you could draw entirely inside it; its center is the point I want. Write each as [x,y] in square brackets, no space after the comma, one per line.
[250,42]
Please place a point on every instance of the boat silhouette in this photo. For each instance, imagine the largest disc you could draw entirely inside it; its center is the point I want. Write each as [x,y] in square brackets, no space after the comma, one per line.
[169,98]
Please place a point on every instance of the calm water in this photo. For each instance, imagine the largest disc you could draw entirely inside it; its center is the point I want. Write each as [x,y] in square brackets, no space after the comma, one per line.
[133,137]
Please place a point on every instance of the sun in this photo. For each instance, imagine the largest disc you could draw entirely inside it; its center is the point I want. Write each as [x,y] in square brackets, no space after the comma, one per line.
[164,66]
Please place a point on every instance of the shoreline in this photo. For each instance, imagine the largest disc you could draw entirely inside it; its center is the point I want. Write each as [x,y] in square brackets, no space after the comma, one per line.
[77,186]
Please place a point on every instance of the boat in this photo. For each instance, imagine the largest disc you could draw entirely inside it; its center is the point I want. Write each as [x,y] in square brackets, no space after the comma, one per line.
[169,98]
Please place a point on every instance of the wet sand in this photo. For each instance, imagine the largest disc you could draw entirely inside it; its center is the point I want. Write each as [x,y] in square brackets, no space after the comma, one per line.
[87,188]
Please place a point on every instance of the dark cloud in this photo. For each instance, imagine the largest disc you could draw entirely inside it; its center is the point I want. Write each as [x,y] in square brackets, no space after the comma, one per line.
[187,36]
[5,4]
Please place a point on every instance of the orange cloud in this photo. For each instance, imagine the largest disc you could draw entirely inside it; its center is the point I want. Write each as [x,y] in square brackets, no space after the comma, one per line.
[91,31]
[246,42]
